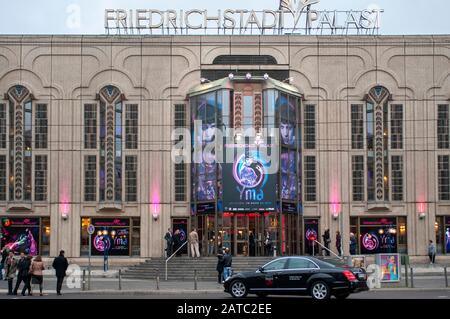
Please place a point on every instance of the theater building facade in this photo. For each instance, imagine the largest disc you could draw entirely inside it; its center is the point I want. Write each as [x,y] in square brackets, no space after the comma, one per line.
[362,126]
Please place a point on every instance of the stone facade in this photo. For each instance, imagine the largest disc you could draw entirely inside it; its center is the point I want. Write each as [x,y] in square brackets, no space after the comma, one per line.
[156,73]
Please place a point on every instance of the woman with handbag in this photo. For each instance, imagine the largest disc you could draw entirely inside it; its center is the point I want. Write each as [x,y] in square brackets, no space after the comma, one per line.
[36,268]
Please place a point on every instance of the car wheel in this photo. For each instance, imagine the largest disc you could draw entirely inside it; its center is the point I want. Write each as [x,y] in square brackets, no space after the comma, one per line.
[238,289]
[262,294]
[320,290]
[342,295]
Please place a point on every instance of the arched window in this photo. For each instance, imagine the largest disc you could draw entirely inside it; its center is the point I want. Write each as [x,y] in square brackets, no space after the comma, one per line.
[377,134]
[111,144]
[20,141]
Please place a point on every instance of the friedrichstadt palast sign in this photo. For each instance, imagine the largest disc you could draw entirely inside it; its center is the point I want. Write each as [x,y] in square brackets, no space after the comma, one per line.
[292,17]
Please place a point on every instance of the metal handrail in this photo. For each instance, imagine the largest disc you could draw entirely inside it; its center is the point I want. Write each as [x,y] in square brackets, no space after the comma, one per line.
[167,260]
[320,244]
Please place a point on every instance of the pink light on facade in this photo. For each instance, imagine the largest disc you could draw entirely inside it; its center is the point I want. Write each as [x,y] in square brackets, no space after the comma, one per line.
[422,208]
[155,205]
[64,200]
[335,205]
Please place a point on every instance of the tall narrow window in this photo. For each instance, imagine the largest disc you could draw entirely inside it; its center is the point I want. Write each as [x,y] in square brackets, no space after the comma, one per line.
[180,168]
[443,177]
[90,126]
[41,129]
[310,127]
[2,126]
[357,126]
[180,182]
[397,177]
[358,177]
[27,161]
[130,178]
[90,178]
[131,126]
[396,126]
[3,177]
[442,127]
[377,135]
[40,178]
[111,144]
[310,178]
[118,156]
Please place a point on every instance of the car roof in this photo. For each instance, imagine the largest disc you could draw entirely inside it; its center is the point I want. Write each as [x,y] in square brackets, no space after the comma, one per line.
[320,263]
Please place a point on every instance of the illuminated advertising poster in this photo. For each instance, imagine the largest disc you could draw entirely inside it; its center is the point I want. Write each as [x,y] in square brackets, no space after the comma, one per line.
[378,235]
[311,234]
[358,261]
[21,235]
[112,234]
[288,175]
[179,228]
[390,267]
[247,185]
[447,234]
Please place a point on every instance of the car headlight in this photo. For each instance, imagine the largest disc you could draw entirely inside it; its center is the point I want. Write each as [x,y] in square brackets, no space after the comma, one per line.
[228,279]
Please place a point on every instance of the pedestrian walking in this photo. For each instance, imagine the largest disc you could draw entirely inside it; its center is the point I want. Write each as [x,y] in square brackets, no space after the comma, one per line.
[23,267]
[36,270]
[219,267]
[169,242]
[326,241]
[177,242]
[60,264]
[432,252]
[339,243]
[10,271]
[251,243]
[227,263]
[352,244]
[267,244]
[193,243]
[27,286]
[5,253]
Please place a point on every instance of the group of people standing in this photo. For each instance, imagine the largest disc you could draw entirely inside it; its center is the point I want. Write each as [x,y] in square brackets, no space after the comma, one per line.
[175,240]
[30,271]
[327,241]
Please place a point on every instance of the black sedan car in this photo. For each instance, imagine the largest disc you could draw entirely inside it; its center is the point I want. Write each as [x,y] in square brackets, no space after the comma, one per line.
[298,276]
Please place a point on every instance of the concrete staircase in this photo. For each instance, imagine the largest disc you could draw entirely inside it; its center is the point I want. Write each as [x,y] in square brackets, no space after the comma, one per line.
[182,268]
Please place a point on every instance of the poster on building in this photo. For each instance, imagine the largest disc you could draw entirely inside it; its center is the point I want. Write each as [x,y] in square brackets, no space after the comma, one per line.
[311,234]
[447,234]
[389,266]
[21,235]
[112,235]
[180,232]
[378,236]
[358,261]
[247,184]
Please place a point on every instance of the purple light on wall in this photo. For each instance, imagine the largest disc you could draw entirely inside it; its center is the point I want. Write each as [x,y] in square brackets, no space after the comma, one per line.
[335,203]
[155,206]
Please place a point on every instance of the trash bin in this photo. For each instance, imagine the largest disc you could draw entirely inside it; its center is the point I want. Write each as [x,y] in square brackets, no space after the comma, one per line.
[404,259]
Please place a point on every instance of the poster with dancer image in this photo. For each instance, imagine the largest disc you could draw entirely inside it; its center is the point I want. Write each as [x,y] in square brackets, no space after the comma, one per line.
[288,119]
[390,267]
[21,235]
[447,235]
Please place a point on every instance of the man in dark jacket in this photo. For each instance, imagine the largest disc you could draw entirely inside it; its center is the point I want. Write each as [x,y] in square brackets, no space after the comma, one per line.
[23,266]
[5,254]
[60,264]
[227,261]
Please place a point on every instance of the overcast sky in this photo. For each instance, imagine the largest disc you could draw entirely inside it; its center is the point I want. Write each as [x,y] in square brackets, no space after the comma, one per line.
[56,16]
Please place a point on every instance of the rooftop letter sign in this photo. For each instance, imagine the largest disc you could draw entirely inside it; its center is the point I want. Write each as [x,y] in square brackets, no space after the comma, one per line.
[292,17]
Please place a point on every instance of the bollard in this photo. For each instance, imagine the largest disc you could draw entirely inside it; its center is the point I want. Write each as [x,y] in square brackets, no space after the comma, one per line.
[157,278]
[446,278]
[195,279]
[406,276]
[120,279]
[412,277]
[89,279]
[84,280]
